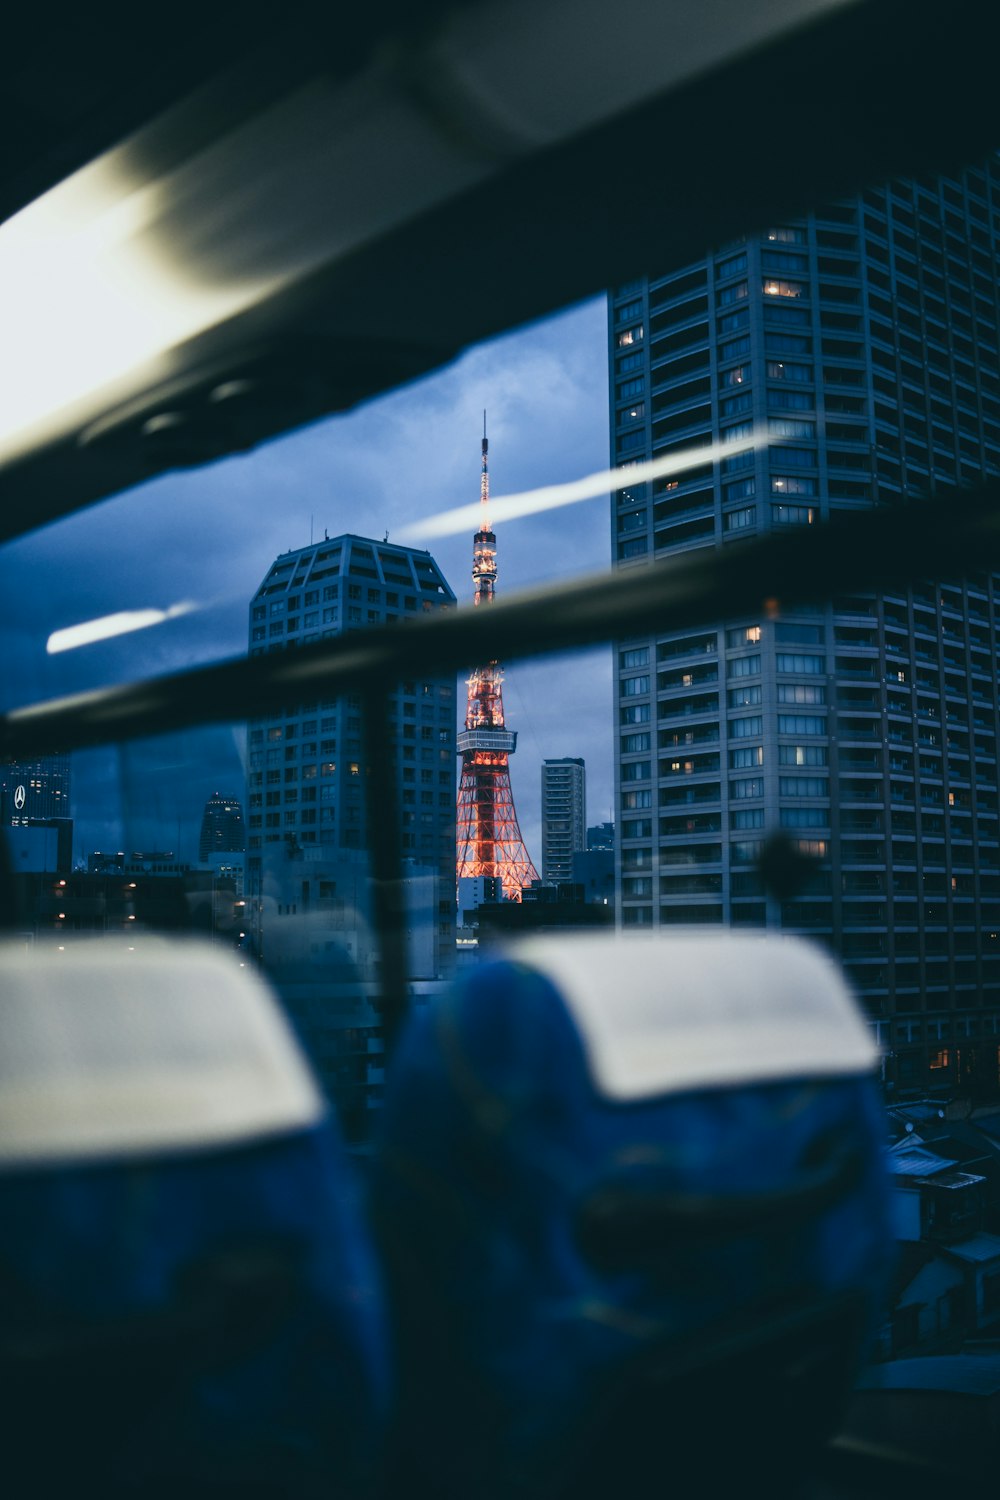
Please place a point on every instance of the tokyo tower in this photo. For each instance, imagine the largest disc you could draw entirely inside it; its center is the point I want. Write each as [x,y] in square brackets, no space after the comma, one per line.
[489,838]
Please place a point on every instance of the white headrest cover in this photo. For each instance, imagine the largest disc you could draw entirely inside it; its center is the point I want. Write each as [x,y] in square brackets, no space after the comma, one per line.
[109,1053]
[667,1014]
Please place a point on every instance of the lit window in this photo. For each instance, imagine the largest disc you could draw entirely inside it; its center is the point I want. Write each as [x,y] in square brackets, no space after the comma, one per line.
[791,484]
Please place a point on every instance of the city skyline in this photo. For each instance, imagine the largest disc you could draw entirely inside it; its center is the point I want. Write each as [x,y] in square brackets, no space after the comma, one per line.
[207,536]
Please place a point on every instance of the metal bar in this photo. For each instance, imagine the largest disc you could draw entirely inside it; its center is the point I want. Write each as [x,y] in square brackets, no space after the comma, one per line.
[352,303]
[934,538]
[385,852]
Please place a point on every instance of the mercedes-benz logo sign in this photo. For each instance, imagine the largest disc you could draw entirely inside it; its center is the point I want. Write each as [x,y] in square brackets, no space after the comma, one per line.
[19,797]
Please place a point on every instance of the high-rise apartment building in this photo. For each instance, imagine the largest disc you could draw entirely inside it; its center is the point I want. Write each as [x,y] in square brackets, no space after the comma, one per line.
[305,768]
[308,888]
[862,341]
[564,816]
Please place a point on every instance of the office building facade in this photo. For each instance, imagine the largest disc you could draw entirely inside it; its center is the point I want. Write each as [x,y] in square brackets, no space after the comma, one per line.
[338,585]
[306,768]
[34,789]
[308,889]
[564,816]
[850,358]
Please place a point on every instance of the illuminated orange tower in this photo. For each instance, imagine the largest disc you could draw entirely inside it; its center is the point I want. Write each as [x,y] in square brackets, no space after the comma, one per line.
[489,838]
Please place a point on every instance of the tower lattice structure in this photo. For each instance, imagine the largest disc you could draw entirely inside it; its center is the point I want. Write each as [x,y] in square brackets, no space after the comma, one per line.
[489,837]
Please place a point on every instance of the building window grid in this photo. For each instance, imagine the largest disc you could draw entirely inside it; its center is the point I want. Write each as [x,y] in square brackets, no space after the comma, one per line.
[808,669]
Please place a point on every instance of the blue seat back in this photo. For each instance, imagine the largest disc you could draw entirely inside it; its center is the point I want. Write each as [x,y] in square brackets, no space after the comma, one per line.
[610,1167]
[190,1299]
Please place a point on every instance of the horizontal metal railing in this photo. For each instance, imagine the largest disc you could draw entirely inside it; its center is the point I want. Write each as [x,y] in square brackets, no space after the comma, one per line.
[943,537]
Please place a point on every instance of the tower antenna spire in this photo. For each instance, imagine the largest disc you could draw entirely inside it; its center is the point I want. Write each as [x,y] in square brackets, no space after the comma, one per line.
[484,482]
[489,836]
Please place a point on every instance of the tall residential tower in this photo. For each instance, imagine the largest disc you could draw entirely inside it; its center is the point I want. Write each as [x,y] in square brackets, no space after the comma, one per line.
[863,342]
[308,884]
[305,767]
[564,816]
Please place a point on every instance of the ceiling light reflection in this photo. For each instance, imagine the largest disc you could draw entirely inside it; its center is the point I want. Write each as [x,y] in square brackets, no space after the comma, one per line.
[551,496]
[89,294]
[107,626]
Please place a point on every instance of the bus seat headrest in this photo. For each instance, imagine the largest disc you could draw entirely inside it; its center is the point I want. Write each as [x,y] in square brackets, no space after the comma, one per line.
[108,1053]
[669,1014]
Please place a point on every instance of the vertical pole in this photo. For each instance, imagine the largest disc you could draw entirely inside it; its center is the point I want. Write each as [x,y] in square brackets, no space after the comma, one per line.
[382,814]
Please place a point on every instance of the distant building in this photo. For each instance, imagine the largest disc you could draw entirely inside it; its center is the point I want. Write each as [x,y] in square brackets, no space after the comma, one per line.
[317,912]
[127,900]
[564,816]
[944,1165]
[43,844]
[594,870]
[35,812]
[601,836]
[154,862]
[474,890]
[34,789]
[222,844]
[307,875]
[544,907]
[305,767]
[222,828]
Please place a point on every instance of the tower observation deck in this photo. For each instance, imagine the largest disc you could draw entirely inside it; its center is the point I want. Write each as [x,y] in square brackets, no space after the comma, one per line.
[489,838]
